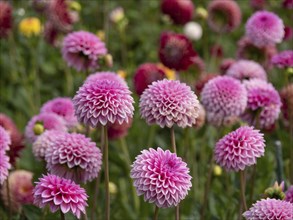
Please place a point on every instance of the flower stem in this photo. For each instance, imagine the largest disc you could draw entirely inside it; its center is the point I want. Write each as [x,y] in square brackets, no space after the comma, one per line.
[173,142]
[9,199]
[107,201]
[242,189]
[177,216]
[62,216]
[156,213]
[252,180]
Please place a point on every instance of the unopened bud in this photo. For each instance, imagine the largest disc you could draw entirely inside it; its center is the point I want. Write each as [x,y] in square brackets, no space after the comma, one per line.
[38,129]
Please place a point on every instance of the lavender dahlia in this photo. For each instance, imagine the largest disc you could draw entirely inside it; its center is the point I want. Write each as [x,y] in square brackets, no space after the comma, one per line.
[161,176]
[4,166]
[283,59]
[60,193]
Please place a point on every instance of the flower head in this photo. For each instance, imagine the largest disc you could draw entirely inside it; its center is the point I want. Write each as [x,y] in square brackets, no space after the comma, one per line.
[4,166]
[169,102]
[289,194]
[60,193]
[264,28]
[5,18]
[105,75]
[30,26]
[5,140]
[240,148]
[287,100]
[161,176]
[288,33]
[51,34]
[193,30]
[117,15]
[283,59]
[82,49]
[270,209]
[223,98]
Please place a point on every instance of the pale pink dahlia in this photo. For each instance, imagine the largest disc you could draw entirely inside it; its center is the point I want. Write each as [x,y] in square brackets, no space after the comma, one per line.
[239,148]
[62,107]
[105,75]
[269,209]
[224,98]
[264,28]
[4,166]
[61,194]
[247,69]
[102,102]
[5,140]
[169,102]
[49,121]
[161,176]
[82,49]
[74,156]
[289,194]
[283,59]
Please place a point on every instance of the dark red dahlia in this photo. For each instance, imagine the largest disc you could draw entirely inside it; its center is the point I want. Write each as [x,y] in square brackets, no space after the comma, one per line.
[176,51]
[288,33]
[288,4]
[5,18]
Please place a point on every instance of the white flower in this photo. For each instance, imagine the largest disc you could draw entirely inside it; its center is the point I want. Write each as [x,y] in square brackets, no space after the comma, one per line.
[193,31]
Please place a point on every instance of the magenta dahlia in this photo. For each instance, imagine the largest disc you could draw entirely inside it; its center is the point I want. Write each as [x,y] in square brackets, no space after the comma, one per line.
[283,59]
[176,51]
[264,28]
[161,176]
[102,102]
[180,11]
[223,98]
[5,140]
[239,148]
[169,102]
[247,69]
[59,193]
[82,50]
[105,75]
[224,15]
[289,194]
[74,156]
[145,75]
[5,18]
[4,166]
[267,209]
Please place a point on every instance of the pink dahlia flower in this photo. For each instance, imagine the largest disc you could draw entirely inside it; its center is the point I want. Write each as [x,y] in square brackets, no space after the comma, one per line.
[224,15]
[287,101]
[283,59]
[74,156]
[267,209]
[289,195]
[145,75]
[226,64]
[264,28]
[4,166]
[180,11]
[62,107]
[224,98]
[176,51]
[169,102]
[263,99]
[105,75]
[117,130]
[161,176]
[239,149]
[59,193]
[247,69]
[5,140]
[5,19]
[82,49]
[49,121]
[102,102]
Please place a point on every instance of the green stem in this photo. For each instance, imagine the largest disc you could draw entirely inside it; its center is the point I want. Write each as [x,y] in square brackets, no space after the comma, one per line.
[152,133]
[173,142]
[9,199]
[62,216]
[106,162]
[242,189]
[156,213]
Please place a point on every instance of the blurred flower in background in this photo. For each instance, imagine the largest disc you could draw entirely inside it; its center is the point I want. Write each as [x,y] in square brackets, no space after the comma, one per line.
[287,102]
[289,194]
[193,30]
[5,18]
[288,33]
[116,130]
[258,4]
[30,26]
[284,59]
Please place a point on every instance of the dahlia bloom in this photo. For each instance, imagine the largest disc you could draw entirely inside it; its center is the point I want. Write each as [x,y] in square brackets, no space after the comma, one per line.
[105,75]
[287,4]
[117,130]
[266,209]
[102,102]
[264,28]
[176,51]
[224,99]
[224,16]
[289,195]
[145,75]
[283,59]
[5,140]
[287,100]
[82,50]
[263,99]
[161,176]
[4,166]
[30,26]
[62,107]
[203,79]
[239,148]
[226,64]
[247,69]
[192,30]
[60,193]
[180,11]
[49,121]
[169,102]
[20,188]
[5,18]
[74,156]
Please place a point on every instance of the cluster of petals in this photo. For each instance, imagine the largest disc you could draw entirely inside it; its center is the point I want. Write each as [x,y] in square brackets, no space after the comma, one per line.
[283,59]
[4,166]
[161,176]
[289,194]
[5,18]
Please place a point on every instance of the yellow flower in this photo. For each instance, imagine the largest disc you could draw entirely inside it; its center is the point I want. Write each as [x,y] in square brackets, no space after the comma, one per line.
[101,35]
[75,6]
[112,188]
[217,170]
[30,26]
[202,12]
[122,73]
[171,74]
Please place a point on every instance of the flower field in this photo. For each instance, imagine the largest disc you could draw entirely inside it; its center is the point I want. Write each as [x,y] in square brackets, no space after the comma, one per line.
[159,109]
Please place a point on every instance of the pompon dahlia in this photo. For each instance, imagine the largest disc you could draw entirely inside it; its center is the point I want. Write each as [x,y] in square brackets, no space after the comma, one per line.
[105,75]
[267,209]
[264,28]
[224,15]
[247,69]
[263,99]
[176,51]
[161,176]
[74,156]
[5,18]
[289,194]
[224,99]
[5,140]
[117,130]
[169,102]
[59,193]
[226,64]
[203,79]
[4,166]
[287,101]
[239,148]
[82,49]
[62,107]
[283,59]
[102,102]
[180,11]
[48,121]
[145,75]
